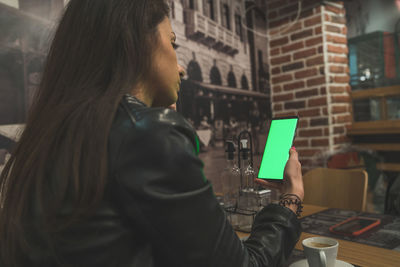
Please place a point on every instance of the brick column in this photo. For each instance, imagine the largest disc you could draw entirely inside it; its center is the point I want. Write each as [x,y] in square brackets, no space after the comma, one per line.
[309,72]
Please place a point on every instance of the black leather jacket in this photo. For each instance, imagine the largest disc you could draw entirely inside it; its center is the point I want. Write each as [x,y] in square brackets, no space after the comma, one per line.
[160,210]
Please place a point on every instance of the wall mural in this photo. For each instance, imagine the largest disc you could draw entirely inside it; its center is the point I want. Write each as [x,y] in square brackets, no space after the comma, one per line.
[225,91]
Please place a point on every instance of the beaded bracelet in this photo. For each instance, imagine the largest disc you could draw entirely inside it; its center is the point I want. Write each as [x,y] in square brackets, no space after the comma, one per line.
[285,200]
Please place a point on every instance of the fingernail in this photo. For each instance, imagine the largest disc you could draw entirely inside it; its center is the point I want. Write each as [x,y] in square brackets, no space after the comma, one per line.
[293,148]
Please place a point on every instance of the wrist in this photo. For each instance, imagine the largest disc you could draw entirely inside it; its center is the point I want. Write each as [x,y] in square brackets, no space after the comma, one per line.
[292,202]
[299,193]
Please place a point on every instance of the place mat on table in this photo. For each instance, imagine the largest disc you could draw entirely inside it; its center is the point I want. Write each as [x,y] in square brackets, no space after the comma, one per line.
[298,255]
[386,235]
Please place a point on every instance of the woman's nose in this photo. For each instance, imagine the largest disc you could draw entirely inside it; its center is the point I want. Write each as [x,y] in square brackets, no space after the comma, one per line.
[182,71]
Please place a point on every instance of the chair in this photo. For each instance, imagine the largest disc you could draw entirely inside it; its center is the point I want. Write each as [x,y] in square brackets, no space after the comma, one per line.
[334,188]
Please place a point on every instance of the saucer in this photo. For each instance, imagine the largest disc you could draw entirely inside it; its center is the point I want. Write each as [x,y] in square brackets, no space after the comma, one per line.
[304,263]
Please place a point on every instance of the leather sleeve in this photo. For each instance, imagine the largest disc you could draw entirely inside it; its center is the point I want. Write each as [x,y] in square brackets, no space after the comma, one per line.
[161,186]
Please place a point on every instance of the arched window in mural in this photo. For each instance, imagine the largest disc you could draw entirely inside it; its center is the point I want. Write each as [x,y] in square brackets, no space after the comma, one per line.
[194,71]
[244,82]
[231,79]
[215,76]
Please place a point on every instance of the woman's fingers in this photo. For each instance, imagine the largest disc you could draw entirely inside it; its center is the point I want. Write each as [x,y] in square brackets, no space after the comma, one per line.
[293,153]
[268,184]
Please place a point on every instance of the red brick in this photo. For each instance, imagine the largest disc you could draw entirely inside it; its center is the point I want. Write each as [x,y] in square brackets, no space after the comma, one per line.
[316,81]
[319,122]
[343,119]
[344,30]
[331,28]
[318,30]
[337,69]
[321,101]
[310,112]
[337,89]
[307,93]
[307,153]
[323,90]
[300,143]
[275,51]
[279,22]
[274,32]
[336,39]
[280,41]
[276,70]
[337,49]
[312,21]
[310,133]
[341,140]
[305,13]
[341,79]
[338,59]
[305,53]
[282,78]
[285,114]
[314,41]
[337,19]
[295,104]
[326,131]
[315,61]
[305,73]
[294,85]
[303,123]
[280,60]
[301,35]
[325,111]
[339,109]
[334,9]
[282,97]
[277,107]
[338,129]
[277,88]
[295,27]
[291,47]
[276,4]
[288,9]
[320,142]
[327,17]
[293,66]
[320,49]
[341,99]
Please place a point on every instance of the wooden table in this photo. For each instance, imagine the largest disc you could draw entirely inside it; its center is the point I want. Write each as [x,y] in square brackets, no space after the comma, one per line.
[354,253]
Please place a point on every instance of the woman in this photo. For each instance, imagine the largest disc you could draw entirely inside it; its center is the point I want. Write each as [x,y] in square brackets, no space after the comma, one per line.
[104,175]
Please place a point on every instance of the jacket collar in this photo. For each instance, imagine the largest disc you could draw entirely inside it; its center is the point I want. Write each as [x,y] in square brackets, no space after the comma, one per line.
[133,100]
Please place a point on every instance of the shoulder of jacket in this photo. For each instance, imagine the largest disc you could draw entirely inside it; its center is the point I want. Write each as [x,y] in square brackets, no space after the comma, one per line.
[151,121]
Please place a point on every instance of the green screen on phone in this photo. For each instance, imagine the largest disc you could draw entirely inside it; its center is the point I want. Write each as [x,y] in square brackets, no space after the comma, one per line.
[276,152]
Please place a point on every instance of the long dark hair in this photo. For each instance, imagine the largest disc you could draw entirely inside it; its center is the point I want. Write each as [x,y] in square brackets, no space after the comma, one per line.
[101,50]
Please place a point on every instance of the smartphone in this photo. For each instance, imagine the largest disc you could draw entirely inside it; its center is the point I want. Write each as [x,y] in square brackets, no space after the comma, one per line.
[354,226]
[276,153]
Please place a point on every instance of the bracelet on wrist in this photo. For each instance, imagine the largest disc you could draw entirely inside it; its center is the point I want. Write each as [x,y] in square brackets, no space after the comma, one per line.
[286,200]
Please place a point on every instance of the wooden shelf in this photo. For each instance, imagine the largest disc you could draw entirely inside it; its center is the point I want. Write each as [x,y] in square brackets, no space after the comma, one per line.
[376,92]
[393,167]
[381,147]
[375,127]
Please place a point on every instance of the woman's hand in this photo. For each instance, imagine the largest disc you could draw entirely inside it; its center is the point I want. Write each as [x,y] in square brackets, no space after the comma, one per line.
[292,177]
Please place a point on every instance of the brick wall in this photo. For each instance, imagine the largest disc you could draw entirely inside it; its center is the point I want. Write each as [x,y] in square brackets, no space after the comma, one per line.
[309,72]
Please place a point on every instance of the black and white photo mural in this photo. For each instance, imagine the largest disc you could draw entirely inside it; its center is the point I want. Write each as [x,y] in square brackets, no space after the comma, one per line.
[225,89]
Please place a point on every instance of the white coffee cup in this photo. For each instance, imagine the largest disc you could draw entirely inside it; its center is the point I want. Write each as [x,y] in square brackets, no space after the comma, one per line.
[320,251]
